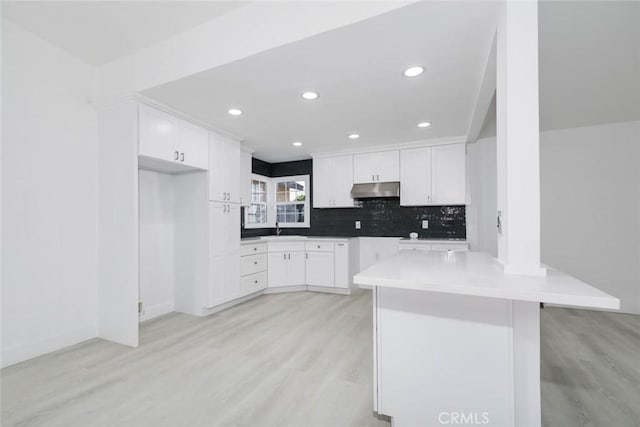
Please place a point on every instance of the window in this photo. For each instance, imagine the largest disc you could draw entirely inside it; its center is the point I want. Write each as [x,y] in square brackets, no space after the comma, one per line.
[292,201]
[256,215]
[285,200]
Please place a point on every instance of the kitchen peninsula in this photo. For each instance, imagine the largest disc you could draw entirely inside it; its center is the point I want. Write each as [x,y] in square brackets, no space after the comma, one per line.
[456,337]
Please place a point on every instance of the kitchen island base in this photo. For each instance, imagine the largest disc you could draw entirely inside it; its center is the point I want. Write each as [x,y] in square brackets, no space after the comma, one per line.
[454,359]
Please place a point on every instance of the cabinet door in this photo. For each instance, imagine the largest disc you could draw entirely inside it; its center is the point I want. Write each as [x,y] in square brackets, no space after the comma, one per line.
[216,166]
[387,166]
[319,269]
[448,174]
[277,269]
[342,176]
[295,268]
[322,182]
[156,134]
[231,231]
[231,171]
[231,276]
[364,168]
[216,280]
[341,262]
[193,145]
[245,178]
[217,227]
[415,176]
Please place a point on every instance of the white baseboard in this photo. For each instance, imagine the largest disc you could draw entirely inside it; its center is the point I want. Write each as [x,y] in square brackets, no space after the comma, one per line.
[229,304]
[322,289]
[282,289]
[152,311]
[19,353]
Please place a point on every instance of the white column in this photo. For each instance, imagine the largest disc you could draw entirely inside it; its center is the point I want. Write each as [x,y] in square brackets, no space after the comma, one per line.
[518,138]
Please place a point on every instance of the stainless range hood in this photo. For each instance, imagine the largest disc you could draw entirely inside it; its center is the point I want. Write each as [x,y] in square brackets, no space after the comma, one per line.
[375,189]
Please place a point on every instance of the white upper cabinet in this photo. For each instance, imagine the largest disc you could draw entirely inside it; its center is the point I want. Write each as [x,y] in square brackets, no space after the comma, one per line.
[381,166]
[415,178]
[433,175]
[332,182]
[157,134]
[193,145]
[245,178]
[224,169]
[179,144]
[448,177]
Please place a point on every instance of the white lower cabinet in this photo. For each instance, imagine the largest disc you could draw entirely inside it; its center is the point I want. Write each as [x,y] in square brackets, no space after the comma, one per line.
[286,269]
[320,268]
[224,253]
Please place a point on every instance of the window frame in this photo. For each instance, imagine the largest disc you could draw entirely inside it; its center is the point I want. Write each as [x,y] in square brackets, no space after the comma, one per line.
[307,205]
[270,223]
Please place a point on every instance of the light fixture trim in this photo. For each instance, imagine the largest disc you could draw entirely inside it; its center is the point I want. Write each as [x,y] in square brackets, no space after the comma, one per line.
[414,71]
[310,95]
[296,144]
[353,135]
[235,111]
[424,124]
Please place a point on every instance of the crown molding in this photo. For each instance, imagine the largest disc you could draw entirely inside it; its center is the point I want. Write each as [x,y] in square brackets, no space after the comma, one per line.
[389,147]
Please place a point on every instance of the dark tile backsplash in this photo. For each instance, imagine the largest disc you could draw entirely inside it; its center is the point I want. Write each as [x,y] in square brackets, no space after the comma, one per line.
[383,217]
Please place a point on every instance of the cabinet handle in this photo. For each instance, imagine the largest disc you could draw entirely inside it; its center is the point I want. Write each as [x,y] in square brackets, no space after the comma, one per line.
[255,262]
[318,246]
[255,249]
[176,156]
[285,256]
[182,157]
[373,178]
[306,255]
[255,281]
[289,256]
[377,177]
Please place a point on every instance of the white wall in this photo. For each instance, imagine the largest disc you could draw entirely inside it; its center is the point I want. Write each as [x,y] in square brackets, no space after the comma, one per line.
[49,190]
[590,206]
[157,243]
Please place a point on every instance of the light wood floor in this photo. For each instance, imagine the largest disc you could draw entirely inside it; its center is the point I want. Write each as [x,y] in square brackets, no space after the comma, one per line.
[298,359]
[590,368]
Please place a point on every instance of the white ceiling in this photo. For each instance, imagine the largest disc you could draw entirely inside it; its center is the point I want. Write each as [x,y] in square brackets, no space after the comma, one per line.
[589,63]
[358,72]
[100,31]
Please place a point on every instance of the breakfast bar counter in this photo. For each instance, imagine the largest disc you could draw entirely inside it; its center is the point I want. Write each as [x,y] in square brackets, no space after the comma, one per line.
[456,339]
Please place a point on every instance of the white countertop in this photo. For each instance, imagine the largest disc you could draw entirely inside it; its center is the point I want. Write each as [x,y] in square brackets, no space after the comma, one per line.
[479,274]
[265,239]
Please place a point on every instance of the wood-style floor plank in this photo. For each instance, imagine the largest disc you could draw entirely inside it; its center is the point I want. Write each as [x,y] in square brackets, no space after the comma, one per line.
[296,359]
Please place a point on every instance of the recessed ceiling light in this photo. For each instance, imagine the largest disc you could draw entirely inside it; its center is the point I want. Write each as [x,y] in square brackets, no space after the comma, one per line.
[297,144]
[234,111]
[424,124]
[354,136]
[414,71]
[310,96]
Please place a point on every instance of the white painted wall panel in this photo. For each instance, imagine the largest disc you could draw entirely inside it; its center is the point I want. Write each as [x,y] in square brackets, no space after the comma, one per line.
[49,191]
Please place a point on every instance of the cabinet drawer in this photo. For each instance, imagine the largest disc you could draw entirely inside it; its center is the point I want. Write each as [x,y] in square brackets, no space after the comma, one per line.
[253,249]
[286,246]
[460,247]
[319,246]
[253,283]
[252,264]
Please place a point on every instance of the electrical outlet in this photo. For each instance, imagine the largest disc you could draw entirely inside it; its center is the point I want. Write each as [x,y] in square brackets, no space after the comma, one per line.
[357,225]
[425,224]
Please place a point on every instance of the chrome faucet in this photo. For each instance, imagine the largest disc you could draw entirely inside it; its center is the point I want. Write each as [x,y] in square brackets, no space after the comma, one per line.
[278,231]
